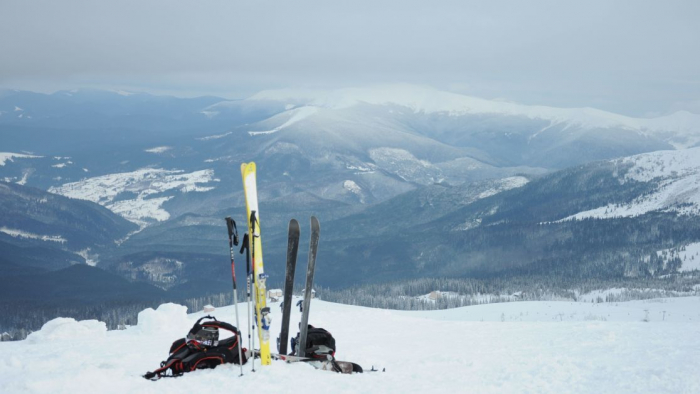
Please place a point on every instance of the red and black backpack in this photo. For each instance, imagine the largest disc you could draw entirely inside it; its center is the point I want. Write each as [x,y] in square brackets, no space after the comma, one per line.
[201,349]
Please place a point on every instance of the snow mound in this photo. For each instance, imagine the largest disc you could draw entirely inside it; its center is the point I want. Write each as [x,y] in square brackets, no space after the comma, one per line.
[168,317]
[62,328]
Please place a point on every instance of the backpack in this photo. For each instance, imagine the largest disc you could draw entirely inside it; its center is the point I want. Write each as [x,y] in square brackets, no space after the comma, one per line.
[201,349]
[319,343]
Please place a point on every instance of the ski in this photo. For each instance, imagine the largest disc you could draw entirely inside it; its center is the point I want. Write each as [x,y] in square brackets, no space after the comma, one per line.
[262,311]
[329,364]
[313,249]
[292,249]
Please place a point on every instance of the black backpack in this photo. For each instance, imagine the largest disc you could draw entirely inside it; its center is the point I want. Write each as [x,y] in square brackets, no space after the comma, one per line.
[319,343]
[201,349]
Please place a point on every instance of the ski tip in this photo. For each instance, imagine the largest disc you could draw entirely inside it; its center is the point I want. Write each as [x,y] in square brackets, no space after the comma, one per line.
[314,221]
[293,223]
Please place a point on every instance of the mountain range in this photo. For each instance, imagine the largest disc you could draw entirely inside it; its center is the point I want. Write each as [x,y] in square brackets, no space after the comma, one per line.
[408,182]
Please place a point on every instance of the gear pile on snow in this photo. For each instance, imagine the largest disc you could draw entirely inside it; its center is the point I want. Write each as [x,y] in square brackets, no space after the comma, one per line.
[319,343]
[201,349]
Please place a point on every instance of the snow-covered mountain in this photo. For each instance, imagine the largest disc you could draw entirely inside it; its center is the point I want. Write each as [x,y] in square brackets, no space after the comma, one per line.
[544,347]
[44,231]
[676,179]
[495,131]
[422,99]
[422,182]
[148,189]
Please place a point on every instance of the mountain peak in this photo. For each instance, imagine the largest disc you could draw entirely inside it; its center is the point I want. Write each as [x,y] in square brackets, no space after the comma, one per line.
[424,99]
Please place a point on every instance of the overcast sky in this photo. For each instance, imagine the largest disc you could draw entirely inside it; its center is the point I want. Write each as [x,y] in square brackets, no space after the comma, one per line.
[634,57]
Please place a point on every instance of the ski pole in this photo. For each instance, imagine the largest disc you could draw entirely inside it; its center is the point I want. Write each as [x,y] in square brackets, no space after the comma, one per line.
[244,247]
[233,240]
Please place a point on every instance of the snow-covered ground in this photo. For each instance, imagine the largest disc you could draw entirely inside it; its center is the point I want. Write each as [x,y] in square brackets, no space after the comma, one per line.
[23,234]
[678,173]
[9,156]
[295,115]
[144,185]
[534,347]
[689,255]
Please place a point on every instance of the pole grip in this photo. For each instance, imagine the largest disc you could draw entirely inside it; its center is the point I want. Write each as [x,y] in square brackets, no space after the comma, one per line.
[232,230]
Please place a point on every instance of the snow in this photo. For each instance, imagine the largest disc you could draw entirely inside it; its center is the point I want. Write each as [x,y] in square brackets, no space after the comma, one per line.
[9,156]
[352,187]
[295,115]
[503,185]
[143,184]
[690,256]
[90,259]
[406,166]
[159,149]
[678,190]
[25,176]
[421,99]
[543,347]
[214,137]
[59,165]
[168,318]
[138,209]
[27,235]
[67,330]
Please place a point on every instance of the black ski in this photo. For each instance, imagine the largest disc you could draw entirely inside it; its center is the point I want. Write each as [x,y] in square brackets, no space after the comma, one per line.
[292,249]
[329,364]
[313,249]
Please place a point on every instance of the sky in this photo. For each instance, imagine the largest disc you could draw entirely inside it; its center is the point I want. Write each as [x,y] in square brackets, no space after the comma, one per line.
[638,57]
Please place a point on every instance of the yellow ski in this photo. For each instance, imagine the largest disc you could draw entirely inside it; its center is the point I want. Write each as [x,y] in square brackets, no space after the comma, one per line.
[262,311]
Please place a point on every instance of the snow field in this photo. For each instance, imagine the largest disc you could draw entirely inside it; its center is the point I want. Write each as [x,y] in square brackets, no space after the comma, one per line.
[143,184]
[678,189]
[423,352]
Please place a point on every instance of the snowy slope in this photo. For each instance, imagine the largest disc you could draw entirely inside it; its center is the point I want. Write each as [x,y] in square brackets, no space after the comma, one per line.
[544,347]
[420,99]
[9,156]
[143,185]
[688,254]
[677,178]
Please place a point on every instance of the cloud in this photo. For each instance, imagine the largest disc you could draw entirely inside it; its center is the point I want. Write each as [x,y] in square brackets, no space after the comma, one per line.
[623,52]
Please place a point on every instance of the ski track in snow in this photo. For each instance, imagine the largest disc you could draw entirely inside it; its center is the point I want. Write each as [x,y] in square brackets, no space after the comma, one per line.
[499,348]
